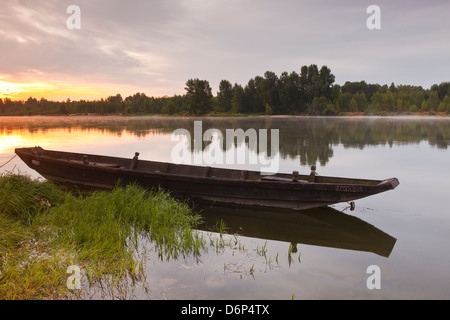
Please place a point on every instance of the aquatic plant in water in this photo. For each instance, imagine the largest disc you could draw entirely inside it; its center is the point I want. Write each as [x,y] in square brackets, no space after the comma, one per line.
[44,230]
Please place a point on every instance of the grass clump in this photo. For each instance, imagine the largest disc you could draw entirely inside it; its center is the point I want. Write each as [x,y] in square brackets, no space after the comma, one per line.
[44,230]
[22,199]
[111,224]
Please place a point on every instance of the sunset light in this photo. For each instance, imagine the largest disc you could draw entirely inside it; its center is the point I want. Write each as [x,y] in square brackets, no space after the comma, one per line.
[22,91]
[9,90]
[9,142]
[55,91]
[54,137]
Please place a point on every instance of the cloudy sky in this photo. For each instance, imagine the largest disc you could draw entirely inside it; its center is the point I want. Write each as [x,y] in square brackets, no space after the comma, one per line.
[155,46]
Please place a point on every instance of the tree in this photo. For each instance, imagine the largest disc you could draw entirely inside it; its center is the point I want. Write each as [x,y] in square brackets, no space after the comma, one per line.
[357,102]
[114,99]
[315,84]
[389,101]
[322,106]
[354,87]
[237,101]
[361,101]
[312,89]
[251,98]
[225,96]
[169,107]
[326,81]
[268,90]
[303,85]
[343,101]
[289,92]
[432,103]
[353,105]
[442,89]
[417,98]
[445,104]
[376,104]
[199,95]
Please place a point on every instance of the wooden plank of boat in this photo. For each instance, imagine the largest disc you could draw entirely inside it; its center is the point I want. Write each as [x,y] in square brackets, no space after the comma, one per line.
[201,184]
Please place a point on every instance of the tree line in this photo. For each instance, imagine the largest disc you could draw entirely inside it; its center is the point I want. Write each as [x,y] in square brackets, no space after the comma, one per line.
[310,91]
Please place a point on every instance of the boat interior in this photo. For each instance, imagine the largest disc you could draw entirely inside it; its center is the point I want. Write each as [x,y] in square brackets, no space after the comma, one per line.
[134,163]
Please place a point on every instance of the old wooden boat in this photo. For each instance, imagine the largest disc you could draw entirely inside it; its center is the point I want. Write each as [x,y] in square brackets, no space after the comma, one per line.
[201,184]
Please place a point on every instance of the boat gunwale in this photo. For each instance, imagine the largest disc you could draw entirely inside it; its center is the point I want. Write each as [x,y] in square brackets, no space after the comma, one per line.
[390,183]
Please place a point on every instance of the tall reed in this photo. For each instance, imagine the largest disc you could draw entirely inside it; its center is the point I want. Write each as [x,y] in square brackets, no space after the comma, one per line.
[44,230]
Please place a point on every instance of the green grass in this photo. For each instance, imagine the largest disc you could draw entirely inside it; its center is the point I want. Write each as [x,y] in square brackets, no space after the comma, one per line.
[43,230]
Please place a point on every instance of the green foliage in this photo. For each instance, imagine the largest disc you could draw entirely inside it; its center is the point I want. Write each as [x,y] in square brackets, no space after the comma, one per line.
[237,100]
[23,199]
[268,109]
[322,106]
[413,108]
[444,106]
[43,230]
[199,96]
[359,101]
[225,96]
[431,103]
[289,93]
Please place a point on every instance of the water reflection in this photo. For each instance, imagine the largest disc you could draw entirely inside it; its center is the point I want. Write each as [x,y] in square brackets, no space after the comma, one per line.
[414,149]
[324,227]
[310,139]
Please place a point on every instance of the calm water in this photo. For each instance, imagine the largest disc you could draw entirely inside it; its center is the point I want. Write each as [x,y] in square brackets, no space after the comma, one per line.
[405,232]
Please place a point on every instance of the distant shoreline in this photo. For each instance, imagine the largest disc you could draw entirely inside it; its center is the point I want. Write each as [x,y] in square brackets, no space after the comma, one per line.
[228,115]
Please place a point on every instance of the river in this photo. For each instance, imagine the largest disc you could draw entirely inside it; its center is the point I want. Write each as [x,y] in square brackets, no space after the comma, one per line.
[391,246]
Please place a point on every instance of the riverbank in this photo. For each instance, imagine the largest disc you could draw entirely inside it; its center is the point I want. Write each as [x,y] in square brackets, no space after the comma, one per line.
[48,236]
[236,115]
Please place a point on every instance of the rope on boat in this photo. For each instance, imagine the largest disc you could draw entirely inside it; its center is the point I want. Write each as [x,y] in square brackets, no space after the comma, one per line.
[8,161]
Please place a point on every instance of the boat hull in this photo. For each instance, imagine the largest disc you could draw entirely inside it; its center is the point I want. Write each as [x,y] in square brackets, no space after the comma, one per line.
[201,184]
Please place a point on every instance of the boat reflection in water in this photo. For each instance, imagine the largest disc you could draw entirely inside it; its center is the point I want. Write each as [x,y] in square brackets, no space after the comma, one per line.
[323,226]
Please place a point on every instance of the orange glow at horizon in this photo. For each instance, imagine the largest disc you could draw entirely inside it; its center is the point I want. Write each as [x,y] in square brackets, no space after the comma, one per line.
[21,91]
[9,90]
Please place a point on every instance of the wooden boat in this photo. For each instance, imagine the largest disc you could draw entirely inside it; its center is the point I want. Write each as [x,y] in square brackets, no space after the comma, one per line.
[201,184]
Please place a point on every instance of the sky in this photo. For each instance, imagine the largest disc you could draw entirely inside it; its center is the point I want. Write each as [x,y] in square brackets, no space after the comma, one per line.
[155,46]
